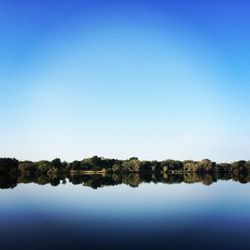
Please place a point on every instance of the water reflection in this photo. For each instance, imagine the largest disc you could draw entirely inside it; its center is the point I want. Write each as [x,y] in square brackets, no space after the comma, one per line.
[132,179]
[116,216]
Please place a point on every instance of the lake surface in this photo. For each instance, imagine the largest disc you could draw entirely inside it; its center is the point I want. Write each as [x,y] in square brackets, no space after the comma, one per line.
[151,216]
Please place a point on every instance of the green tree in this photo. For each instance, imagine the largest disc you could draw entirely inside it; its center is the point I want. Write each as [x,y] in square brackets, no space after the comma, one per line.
[8,165]
[239,166]
[57,164]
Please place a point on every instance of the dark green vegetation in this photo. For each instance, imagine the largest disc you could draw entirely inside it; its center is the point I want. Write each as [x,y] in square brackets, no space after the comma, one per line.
[97,172]
[132,165]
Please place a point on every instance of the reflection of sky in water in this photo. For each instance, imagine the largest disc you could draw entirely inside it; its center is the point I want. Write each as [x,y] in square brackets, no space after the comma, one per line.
[150,209]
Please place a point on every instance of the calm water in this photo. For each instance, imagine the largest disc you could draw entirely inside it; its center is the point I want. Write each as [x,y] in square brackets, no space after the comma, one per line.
[152,216]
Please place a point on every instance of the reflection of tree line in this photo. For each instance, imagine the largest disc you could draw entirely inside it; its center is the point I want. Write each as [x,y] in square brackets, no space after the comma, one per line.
[112,179]
[98,172]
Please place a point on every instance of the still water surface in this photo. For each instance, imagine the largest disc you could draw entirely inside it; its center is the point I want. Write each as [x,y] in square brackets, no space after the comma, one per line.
[152,216]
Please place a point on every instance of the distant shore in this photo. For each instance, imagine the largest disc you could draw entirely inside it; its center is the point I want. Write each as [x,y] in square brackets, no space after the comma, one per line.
[100,165]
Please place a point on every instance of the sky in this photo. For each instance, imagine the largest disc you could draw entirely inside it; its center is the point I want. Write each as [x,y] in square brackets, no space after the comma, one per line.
[153,79]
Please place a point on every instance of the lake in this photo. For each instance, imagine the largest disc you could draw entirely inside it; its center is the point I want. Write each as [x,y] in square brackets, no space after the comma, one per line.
[150,216]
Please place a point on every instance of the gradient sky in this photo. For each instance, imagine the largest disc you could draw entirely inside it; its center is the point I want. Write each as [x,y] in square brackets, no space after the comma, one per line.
[153,79]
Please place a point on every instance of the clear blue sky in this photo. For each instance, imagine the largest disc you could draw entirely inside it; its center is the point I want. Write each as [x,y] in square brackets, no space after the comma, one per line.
[153,79]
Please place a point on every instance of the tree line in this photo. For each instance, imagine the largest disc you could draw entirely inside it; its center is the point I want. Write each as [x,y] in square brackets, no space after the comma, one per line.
[133,165]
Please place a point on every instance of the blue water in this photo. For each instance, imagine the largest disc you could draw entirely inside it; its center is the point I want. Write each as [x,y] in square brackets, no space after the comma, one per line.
[152,216]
